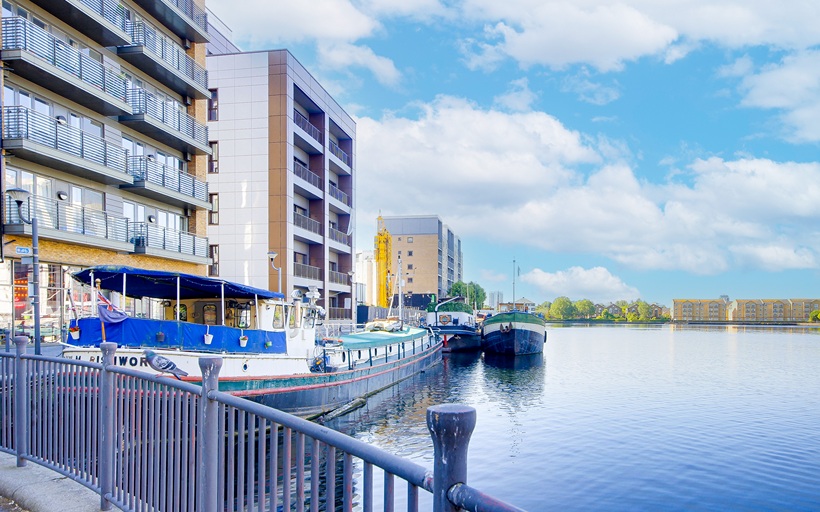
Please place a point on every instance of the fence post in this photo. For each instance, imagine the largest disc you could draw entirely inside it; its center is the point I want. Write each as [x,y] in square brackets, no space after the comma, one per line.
[209,434]
[21,422]
[107,426]
[450,426]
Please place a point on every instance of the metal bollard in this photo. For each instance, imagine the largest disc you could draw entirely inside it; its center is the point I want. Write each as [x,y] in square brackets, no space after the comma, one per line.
[107,426]
[209,433]
[21,410]
[450,426]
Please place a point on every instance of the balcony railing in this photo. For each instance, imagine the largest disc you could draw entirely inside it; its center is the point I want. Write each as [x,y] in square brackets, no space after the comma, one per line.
[23,123]
[306,271]
[151,236]
[111,10]
[338,236]
[20,34]
[303,123]
[145,34]
[341,155]
[305,222]
[338,277]
[339,314]
[63,216]
[159,10]
[307,175]
[338,194]
[169,114]
[147,169]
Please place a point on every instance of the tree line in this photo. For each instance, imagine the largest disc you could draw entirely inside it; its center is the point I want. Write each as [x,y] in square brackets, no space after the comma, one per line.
[563,308]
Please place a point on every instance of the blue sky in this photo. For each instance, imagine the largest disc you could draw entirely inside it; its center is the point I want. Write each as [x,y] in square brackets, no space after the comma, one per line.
[614,150]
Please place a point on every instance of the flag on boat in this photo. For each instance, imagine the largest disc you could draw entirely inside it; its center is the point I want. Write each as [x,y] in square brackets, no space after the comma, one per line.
[108,311]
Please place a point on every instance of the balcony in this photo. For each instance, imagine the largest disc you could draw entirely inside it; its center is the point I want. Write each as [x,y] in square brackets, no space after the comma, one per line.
[42,139]
[306,175]
[343,157]
[338,236]
[166,184]
[339,314]
[164,60]
[166,122]
[183,17]
[101,20]
[309,138]
[307,272]
[37,56]
[340,196]
[338,277]
[62,221]
[153,240]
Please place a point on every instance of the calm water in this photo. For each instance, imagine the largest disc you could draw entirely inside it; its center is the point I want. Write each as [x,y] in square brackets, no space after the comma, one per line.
[620,418]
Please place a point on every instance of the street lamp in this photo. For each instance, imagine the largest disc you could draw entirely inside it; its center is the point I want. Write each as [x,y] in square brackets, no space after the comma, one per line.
[19,195]
[272,256]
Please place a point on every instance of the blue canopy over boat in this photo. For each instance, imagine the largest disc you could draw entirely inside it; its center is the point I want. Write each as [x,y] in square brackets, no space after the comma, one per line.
[161,284]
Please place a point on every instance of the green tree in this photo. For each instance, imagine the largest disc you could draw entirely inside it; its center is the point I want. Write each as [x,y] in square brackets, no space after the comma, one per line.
[814,316]
[562,309]
[543,309]
[584,308]
[644,310]
[472,292]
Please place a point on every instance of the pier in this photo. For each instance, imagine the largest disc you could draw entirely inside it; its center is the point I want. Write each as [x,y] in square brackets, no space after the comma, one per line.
[143,442]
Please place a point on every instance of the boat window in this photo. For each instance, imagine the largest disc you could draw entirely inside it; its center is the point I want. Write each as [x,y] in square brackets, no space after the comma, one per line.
[244,314]
[209,314]
[293,318]
[278,317]
[183,312]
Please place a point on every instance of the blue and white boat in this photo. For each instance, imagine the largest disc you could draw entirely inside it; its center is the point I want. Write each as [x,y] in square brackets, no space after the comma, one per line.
[514,333]
[268,345]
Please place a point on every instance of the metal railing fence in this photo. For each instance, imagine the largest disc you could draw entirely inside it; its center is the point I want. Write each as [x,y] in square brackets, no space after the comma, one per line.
[340,153]
[305,222]
[168,113]
[154,236]
[21,34]
[305,124]
[338,194]
[173,55]
[64,216]
[25,123]
[148,442]
[307,175]
[144,168]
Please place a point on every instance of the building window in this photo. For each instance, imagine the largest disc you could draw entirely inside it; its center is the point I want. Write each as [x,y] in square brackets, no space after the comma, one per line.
[409,266]
[409,280]
[213,158]
[409,253]
[213,253]
[213,105]
[213,215]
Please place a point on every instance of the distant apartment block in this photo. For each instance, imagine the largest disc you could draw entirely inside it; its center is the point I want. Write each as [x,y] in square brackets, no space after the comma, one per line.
[104,124]
[430,253]
[744,310]
[281,178]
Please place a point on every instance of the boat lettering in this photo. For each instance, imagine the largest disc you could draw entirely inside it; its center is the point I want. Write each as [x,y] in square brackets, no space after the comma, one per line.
[132,361]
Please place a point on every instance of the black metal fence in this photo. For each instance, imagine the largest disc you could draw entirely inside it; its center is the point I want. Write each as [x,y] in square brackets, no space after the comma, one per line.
[152,443]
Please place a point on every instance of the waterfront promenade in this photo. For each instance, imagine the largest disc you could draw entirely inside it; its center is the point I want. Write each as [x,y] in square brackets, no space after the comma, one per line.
[39,489]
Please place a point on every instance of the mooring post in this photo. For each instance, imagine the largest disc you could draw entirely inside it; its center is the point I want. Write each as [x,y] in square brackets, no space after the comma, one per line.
[209,433]
[107,426]
[21,421]
[451,426]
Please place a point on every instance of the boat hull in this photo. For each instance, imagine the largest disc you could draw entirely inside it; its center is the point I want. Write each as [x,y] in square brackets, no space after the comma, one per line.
[460,340]
[514,334]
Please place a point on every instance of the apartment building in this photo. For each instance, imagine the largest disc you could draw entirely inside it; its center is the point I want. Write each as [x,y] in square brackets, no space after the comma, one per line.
[430,253]
[744,310]
[104,107]
[281,178]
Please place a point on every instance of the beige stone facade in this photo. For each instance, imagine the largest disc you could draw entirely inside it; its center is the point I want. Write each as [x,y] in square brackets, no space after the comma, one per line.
[744,310]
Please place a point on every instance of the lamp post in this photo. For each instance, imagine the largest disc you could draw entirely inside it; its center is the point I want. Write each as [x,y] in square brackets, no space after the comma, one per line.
[18,195]
[272,256]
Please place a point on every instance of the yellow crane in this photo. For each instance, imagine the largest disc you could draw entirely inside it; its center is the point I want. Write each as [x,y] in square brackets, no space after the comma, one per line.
[384,264]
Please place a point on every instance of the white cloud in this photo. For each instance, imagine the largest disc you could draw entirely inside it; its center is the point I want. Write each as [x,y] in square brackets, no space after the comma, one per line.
[589,91]
[516,178]
[792,87]
[518,98]
[596,284]
[341,56]
[486,275]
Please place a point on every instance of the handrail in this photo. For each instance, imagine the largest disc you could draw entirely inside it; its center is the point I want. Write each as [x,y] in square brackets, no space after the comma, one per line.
[174,56]
[147,441]
[305,124]
[21,34]
[170,114]
[148,235]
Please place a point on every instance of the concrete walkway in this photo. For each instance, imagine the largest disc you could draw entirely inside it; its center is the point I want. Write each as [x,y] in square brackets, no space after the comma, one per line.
[38,489]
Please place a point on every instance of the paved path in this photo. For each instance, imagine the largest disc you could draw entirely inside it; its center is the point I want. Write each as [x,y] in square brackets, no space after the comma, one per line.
[38,489]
